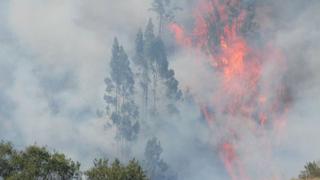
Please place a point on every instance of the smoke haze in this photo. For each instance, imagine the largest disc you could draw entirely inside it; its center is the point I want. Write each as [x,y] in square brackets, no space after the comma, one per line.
[54,56]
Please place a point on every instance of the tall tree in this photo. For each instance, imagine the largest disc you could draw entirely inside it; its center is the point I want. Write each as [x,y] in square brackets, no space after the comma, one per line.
[165,12]
[154,72]
[143,70]
[161,72]
[121,108]
[150,74]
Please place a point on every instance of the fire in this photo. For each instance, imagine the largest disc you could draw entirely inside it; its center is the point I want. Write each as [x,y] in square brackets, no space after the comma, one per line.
[218,33]
[180,35]
[231,161]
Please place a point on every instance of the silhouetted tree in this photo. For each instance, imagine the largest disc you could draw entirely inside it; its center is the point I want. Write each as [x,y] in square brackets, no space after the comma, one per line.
[156,168]
[154,73]
[121,107]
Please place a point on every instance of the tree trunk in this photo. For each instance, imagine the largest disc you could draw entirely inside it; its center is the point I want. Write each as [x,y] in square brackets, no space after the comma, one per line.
[160,24]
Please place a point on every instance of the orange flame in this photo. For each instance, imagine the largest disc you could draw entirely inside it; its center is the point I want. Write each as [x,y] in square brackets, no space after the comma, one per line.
[241,68]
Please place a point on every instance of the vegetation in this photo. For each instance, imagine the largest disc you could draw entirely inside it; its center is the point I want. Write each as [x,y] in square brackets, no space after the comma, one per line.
[141,91]
[102,170]
[157,169]
[35,163]
[127,111]
[38,163]
[311,172]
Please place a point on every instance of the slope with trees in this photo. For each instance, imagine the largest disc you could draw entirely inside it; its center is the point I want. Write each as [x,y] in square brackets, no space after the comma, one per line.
[38,163]
[35,163]
[311,172]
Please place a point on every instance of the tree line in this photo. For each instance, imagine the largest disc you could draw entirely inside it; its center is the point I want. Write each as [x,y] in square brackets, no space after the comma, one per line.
[141,91]
[311,171]
[38,163]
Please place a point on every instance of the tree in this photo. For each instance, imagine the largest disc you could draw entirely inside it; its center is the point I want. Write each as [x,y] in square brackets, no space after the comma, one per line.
[134,171]
[121,107]
[311,170]
[115,171]
[164,11]
[38,163]
[35,163]
[7,156]
[162,73]
[99,171]
[156,168]
[148,66]
[143,67]
[154,73]
[159,55]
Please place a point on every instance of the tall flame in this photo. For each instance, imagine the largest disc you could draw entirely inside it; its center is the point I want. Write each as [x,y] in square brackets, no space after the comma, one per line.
[219,33]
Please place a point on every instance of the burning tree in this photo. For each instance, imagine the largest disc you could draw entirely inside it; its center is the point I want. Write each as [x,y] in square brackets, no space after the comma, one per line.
[225,32]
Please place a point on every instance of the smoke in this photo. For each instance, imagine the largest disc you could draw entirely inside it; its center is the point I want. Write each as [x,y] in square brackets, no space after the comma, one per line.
[300,40]
[279,152]
[54,57]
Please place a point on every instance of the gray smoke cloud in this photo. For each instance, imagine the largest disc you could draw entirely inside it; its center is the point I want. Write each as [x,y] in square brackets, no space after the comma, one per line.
[54,57]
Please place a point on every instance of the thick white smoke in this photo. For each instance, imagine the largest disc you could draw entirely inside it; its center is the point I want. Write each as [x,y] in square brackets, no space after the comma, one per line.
[54,57]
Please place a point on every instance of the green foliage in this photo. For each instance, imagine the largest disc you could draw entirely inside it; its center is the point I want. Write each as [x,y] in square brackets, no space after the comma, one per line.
[135,171]
[7,158]
[102,170]
[311,170]
[35,163]
[38,163]
[99,171]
